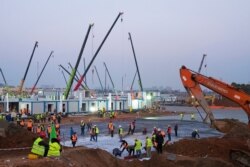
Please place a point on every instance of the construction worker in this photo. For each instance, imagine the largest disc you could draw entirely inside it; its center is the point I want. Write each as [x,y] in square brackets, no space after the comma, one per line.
[92,134]
[1,117]
[148,146]
[29,125]
[176,129]
[159,140]
[124,145]
[54,148]
[74,139]
[82,127]
[182,116]
[120,132]
[138,146]
[169,131]
[192,116]
[195,134]
[111,128]
[96,132]
[40,147]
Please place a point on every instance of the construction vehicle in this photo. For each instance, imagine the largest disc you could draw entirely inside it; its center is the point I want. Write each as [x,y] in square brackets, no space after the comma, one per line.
[192,81]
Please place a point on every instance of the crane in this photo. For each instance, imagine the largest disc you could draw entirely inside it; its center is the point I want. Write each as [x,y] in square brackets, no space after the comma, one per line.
[192,80]
[3,77]
[33,88]
[137,68]
[109,76]
[99,78]
[99,48]
[27,69]
[202,60]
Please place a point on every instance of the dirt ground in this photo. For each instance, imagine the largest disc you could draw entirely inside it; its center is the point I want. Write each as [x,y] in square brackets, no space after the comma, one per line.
[186,152]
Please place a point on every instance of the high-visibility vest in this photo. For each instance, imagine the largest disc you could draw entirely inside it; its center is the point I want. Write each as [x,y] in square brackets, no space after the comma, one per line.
[120,131]
[111,126]
[38,129]
[74,138]
[54,149]
[1,117]
[96,130]
[149,142]
[138,145]
[36,148]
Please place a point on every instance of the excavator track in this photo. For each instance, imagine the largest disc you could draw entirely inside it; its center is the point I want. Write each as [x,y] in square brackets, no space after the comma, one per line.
[240,158]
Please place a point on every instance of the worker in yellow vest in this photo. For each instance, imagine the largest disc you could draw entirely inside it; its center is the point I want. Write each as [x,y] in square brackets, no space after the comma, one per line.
[40,147]
[148,146]
[54,148]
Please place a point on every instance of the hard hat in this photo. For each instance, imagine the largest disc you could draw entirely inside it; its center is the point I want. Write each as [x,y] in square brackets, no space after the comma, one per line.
[94,125]
[120,126]
[159,129]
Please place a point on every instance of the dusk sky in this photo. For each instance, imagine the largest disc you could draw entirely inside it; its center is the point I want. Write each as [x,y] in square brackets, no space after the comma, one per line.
[166,35]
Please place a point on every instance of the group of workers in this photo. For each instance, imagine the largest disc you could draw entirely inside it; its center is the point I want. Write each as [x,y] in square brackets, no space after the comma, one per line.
[41,148]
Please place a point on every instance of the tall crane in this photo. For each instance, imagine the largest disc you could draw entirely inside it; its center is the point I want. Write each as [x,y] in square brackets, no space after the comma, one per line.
[3,77]
[137,68]
[109,76]
[99,78]
[33,88]
[27,69]
[99,48]
[73,73]
[79,75]
[202,60]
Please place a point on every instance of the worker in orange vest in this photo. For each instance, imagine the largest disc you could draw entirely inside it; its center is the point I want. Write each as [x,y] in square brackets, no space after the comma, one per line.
[111,128]
[74,139]
[29,125]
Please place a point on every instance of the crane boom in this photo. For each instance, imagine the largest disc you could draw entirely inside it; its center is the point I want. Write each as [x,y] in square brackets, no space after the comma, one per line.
[109,75]
[3,77]
[33,88]
[202,60]
[99,78]
[137,68]
[192,81]
[27,69]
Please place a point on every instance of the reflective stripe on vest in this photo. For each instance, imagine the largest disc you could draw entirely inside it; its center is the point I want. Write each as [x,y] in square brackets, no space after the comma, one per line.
[36,148]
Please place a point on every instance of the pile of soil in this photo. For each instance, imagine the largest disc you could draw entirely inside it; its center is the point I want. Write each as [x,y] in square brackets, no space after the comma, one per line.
[236,138]
[16,136]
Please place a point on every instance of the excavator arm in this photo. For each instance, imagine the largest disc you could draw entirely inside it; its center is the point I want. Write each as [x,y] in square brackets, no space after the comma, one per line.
[192,81]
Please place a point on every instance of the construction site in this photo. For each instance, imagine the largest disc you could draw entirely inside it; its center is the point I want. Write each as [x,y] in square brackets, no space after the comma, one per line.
[114,107]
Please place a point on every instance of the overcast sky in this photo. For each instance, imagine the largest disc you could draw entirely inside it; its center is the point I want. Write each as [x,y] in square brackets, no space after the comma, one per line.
[166,35]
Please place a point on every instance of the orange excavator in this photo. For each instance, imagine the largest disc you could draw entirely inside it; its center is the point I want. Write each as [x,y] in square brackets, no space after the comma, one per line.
[192,81]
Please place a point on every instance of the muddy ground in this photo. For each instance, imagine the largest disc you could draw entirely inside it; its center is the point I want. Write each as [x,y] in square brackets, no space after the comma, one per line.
[186,152]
